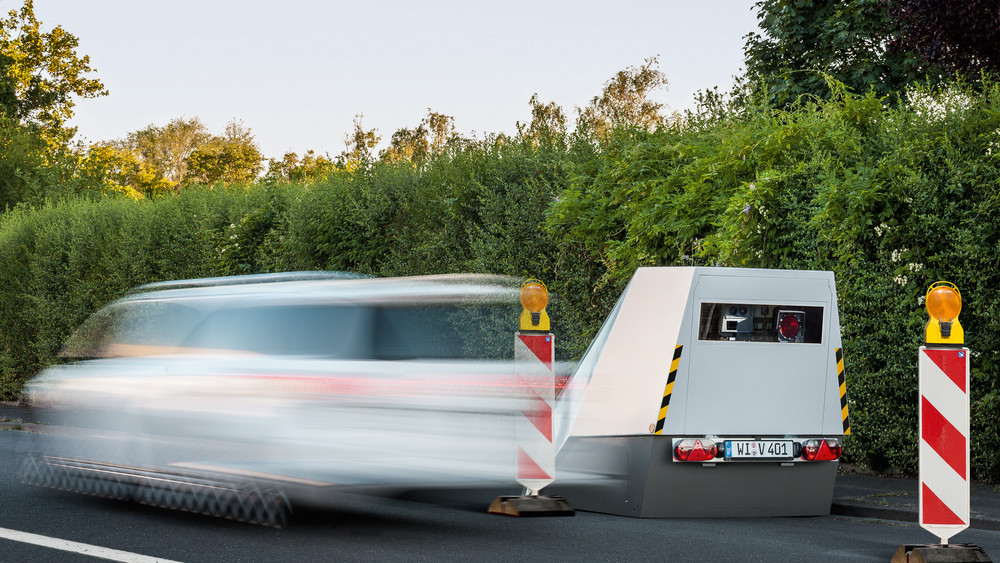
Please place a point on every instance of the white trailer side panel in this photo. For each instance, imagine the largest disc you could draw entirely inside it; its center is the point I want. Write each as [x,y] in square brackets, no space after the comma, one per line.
[625,390]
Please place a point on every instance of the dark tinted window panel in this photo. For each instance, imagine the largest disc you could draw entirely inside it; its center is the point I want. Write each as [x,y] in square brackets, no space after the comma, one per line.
[473,331]
[745,322]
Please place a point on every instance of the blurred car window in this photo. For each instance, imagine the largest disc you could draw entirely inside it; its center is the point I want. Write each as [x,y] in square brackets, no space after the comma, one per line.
[288,325]
[442,332]
[294,330]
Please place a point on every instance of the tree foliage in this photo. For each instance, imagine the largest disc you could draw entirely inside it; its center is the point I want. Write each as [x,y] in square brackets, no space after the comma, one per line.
[184,151]
[625,101]
[118,171]
[25,173]
[166,148]
[441,130]
[292,169]
[40,73]
[804,44]
[547,126]
[431,137]
[232,157]
[359,145]
[960,36]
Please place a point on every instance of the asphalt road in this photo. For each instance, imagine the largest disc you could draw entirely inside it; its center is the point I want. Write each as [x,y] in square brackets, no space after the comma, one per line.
[449,525]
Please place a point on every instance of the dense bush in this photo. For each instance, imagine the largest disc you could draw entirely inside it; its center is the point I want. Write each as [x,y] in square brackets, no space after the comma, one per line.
[478,208]
[61,261]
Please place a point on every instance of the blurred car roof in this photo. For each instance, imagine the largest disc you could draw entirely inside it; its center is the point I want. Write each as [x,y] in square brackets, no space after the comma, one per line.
[308,286]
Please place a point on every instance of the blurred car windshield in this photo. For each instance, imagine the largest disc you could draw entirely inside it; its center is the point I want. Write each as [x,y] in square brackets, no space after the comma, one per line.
[132,328]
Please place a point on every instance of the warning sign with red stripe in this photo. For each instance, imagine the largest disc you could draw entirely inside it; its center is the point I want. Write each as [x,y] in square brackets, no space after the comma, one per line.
[944,441]
[533,355]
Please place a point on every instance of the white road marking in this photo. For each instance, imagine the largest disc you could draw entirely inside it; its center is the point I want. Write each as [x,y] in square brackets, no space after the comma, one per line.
[76,547]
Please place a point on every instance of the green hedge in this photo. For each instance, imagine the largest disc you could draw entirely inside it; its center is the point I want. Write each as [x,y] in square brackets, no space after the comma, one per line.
[63,260]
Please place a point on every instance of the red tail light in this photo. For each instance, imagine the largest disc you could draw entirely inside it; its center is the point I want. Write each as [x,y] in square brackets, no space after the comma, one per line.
[820,450]
[695,449]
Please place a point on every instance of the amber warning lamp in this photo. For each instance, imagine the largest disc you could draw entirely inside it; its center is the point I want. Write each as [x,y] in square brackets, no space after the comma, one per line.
[944,303]
[534,298]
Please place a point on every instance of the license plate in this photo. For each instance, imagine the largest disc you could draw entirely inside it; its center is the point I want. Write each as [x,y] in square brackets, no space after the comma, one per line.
[758,449]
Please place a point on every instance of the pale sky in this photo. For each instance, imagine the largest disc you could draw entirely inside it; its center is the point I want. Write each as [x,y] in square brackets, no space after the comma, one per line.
[297,71]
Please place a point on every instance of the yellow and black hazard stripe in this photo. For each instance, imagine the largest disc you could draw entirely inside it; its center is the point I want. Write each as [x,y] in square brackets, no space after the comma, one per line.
[843,391]
[669,389]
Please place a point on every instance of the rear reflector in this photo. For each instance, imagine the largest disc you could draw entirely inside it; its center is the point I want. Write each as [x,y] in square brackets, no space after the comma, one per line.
[821,450]
[695,449]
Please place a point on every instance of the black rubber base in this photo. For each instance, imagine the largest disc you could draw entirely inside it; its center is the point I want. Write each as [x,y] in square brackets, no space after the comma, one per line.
[938,553]
[541,505]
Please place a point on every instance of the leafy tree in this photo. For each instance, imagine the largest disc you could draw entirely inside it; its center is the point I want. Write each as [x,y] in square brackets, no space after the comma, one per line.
[293,169]
[625,101]
[360,145]
[441,129]
[960,36]
[804,44]
[409,145]
[120,171]
[431,137]
[25,173]
[547,126]
[183,150]
[166,148]
[40,73]
[233,158]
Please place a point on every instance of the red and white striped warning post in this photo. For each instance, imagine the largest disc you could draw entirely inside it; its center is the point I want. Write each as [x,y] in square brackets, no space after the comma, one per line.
[536,458]
[944,419]
[944,441]
[944,432]
[944,416]
[534,352]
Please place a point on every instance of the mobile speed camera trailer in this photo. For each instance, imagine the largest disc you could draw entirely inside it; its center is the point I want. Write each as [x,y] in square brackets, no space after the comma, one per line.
[708,392]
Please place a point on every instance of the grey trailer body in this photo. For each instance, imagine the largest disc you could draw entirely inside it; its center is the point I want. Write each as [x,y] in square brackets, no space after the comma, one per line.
[745,362]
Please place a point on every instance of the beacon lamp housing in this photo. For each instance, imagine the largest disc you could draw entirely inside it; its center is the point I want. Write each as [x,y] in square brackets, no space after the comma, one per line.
[534,298]
[944,303]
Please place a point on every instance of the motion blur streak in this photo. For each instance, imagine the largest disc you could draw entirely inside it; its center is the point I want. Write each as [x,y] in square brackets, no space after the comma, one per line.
[415,421]
[236,388]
